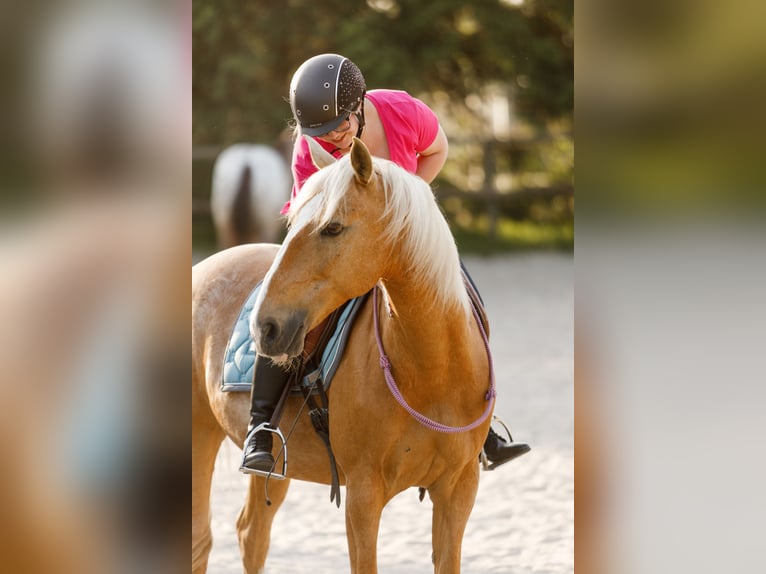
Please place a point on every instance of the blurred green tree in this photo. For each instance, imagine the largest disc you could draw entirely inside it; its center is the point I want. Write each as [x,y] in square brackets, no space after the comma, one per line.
[245,52]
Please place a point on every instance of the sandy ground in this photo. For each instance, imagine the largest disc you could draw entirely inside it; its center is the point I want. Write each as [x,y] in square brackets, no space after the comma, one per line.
[522,521]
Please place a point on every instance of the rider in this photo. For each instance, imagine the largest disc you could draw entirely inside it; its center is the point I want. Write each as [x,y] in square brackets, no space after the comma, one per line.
[330,103]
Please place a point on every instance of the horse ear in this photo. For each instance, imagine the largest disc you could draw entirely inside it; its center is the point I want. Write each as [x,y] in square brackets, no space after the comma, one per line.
[319,155]
[361,161]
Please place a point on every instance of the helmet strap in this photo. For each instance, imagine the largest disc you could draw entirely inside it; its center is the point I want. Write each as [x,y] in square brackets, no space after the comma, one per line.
[360,117]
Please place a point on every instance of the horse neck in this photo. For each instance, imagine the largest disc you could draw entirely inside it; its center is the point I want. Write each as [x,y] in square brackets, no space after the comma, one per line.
[421,335]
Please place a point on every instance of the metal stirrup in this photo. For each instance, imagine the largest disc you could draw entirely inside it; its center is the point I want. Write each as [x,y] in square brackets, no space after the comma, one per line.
[282,452]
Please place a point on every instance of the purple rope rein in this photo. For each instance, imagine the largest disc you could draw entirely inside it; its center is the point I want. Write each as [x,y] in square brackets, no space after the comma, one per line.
[385,364]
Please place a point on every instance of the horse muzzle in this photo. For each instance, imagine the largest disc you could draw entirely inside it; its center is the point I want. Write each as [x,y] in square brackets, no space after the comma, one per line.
[276,337]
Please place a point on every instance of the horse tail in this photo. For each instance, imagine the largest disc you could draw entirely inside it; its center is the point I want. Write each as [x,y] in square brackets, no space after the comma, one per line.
[241,209]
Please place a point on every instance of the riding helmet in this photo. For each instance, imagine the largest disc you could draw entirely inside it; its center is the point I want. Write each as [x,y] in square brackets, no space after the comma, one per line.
[324,91]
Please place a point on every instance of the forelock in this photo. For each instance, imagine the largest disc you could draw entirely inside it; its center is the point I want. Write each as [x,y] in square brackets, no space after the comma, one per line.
[329,186]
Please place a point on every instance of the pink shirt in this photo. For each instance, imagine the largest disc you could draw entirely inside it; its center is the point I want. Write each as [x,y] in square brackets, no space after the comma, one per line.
[410,127]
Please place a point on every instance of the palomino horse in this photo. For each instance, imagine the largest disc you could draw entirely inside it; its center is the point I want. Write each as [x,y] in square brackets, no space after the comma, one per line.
[357,224]
[251,183]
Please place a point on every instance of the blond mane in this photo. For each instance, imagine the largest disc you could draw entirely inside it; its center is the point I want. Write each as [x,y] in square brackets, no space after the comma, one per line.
[415,222]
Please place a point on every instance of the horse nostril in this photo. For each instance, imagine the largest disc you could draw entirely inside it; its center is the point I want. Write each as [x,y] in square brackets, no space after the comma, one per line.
[268,329]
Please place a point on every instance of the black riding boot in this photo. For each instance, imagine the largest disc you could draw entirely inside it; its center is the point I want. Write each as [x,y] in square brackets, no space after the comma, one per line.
[499,451]
[268,383]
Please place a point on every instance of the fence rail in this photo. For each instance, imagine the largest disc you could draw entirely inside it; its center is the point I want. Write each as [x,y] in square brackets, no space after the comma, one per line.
[488,194]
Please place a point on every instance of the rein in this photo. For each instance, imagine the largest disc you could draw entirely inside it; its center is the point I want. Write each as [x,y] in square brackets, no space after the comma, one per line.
[385,364]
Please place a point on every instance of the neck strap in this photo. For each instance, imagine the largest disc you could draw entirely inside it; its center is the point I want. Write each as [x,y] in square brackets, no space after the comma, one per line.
[385,364]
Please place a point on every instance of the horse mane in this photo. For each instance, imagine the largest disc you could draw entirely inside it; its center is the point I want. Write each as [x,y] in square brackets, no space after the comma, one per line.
[415,221]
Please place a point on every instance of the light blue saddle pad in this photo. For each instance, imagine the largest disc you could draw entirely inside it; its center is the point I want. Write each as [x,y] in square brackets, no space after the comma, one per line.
[239,358]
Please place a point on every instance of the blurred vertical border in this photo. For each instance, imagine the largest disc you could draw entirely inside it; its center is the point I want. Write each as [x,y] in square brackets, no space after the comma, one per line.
[95,211]
[670,273]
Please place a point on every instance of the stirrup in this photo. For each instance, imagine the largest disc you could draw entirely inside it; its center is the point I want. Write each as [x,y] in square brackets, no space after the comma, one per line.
[282,452]
[485,464]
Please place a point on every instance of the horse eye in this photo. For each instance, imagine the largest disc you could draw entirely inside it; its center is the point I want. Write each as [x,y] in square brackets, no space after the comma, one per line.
[333,228]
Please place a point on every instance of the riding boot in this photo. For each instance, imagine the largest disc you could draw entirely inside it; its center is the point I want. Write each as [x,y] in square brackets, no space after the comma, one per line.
[268,383]
[499,451]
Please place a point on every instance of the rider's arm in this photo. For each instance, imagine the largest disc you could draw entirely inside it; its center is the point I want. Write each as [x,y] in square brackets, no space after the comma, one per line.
[431,160]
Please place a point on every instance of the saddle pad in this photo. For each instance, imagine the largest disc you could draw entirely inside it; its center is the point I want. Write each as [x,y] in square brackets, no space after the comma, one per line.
[239,358]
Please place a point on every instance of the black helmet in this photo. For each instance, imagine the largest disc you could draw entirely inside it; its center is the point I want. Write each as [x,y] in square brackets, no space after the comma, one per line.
[324,91]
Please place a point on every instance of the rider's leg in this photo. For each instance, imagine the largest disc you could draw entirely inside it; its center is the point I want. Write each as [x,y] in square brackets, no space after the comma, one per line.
[496,448]
[470,280]
[499,451]
[269,381]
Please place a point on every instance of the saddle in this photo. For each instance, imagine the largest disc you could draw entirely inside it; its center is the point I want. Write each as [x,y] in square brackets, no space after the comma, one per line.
[323,349]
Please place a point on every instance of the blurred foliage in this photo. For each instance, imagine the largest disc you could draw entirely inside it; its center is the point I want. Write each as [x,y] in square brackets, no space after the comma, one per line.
[670,108]
[513,236]
[244,54]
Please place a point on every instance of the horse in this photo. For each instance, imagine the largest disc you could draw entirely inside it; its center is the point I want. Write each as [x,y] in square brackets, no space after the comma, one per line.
[359,224]
[251,183]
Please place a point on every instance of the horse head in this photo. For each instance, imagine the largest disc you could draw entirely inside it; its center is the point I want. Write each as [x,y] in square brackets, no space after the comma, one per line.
[332,253]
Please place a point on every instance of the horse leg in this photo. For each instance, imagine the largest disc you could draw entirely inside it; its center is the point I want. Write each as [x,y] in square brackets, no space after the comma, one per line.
[205,444]
[364,505]
[255,520]
[453,501]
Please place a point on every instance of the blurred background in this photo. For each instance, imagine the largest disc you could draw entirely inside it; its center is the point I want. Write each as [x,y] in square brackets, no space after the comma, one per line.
[499,74]
[670,276]
[95,206]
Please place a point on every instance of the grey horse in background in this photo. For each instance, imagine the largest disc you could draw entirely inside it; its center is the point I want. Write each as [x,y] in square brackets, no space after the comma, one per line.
[251,183]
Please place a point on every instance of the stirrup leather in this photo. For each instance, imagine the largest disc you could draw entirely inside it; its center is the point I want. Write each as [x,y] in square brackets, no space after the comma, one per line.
[485,464]
[282,452]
